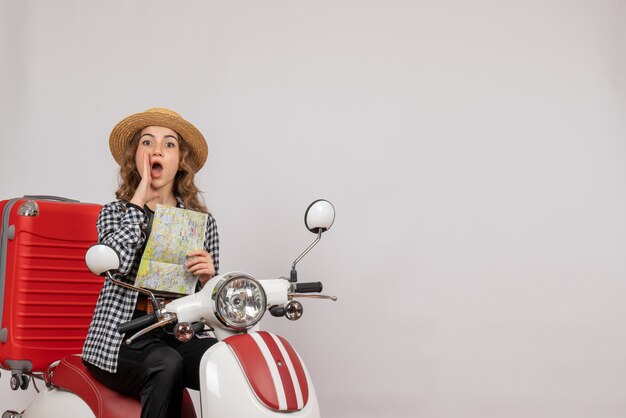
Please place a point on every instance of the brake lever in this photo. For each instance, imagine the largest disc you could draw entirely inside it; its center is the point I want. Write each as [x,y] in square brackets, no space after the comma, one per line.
[312,296]
[168,319]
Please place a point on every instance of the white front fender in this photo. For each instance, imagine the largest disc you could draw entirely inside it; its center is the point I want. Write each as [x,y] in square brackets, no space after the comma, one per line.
[226,393]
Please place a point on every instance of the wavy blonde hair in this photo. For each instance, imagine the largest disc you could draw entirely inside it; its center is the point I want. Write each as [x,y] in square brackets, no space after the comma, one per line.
[185,188]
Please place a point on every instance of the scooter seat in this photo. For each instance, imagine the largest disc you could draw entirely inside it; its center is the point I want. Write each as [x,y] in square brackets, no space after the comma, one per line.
[73,376]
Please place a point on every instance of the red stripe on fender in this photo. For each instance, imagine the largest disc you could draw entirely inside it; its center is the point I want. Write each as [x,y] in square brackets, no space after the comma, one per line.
[285,377]
[255,368]
[297,365]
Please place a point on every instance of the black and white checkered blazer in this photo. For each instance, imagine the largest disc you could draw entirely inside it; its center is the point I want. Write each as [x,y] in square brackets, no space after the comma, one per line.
[121,226]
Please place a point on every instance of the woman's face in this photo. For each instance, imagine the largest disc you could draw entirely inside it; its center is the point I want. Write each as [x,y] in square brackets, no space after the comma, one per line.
[160,145]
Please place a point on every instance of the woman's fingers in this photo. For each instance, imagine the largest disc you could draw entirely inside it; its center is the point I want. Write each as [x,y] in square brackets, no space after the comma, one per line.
[198,256]
[202,268]
[200,262]
[144,193]
[201,253]
[194,265]
[208,271]
[146,167]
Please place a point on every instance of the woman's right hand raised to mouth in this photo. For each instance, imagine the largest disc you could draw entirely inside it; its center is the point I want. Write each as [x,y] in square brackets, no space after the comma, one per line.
[144,192]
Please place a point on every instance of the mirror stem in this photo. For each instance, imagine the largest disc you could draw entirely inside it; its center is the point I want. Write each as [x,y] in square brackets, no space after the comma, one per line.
[293,277]
[153,300]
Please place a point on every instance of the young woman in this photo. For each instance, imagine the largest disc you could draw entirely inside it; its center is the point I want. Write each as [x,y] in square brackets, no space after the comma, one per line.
[159,153]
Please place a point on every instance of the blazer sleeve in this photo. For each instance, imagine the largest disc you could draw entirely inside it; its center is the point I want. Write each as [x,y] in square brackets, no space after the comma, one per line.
[212,242]
[120,226]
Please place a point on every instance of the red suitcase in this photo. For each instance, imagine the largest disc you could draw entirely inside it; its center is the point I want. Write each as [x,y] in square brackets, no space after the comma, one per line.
[47,294]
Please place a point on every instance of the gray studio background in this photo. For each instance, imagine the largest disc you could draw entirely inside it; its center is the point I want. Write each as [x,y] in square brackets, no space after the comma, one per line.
[475,152]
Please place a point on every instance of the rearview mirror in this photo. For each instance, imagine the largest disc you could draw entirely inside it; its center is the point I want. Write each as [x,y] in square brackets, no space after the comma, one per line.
[101,258]
[319,216]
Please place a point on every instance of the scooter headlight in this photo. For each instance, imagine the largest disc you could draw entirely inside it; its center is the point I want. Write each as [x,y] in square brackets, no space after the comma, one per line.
[239,301]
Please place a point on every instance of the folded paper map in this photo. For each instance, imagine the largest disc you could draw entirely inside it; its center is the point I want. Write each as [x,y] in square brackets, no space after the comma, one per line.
[175,232]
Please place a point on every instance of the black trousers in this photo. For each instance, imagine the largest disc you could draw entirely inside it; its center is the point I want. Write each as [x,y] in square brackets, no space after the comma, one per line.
[156,368]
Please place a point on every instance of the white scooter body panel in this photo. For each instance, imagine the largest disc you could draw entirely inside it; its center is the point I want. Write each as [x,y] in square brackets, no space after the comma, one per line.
[56,403]
[226,393]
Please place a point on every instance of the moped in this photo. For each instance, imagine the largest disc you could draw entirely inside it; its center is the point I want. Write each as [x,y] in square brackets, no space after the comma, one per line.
[248,373]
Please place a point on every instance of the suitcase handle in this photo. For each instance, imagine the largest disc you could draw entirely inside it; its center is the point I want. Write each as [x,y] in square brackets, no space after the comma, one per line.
[48,197]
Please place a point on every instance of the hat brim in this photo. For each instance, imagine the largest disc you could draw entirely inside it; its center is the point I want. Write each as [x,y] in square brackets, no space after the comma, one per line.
[123,133]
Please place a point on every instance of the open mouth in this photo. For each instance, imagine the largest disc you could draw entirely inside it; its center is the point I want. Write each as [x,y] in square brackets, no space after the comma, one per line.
[157,169]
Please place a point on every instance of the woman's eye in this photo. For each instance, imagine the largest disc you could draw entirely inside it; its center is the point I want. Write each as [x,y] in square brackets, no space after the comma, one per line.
[146,142]
[170,145]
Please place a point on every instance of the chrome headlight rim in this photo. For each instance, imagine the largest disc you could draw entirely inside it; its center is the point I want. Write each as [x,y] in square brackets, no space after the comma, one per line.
[217,290]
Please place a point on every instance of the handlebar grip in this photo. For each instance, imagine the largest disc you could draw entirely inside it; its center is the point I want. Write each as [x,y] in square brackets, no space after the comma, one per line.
[197,327]
[137,323]
[310,287]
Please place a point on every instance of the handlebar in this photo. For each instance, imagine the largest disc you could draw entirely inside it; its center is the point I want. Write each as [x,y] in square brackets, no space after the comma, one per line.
[310,287]
[150,321]
[137,323]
